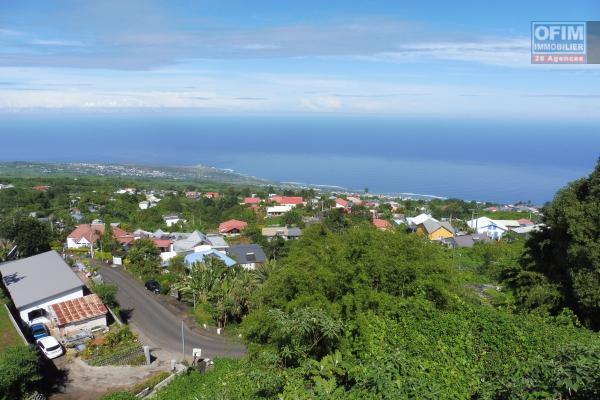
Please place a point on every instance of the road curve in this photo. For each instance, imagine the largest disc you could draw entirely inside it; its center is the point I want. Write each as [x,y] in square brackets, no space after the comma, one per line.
[161,326]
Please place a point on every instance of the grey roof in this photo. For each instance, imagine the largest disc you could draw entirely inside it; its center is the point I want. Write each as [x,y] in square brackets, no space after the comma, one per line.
[432,225]
[468,240]
[187,244]
[247,253]
[37,278]
[216,241]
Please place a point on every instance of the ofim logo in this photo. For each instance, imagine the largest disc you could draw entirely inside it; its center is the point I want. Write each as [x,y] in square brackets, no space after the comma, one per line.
[558,43]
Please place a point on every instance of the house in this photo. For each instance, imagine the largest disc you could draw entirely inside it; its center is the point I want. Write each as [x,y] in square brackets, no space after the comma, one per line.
[232,227]
[291,201]
[192,195]
[354,200]
[86,234]
[35,283]
[276,211]
[171,220]
[126,191]
[248,255]
[41,188]
[201,256]
[216,242]
[165,245]
[74,315]
[525,222]
[413,222]
[252,200]
[487,226]
[144,205]
[526,230]
[434,229]
[509,223]
[6,186]
[343,204]
[187,242]
[381,224]
[283,232]
[211,195]
[466,240]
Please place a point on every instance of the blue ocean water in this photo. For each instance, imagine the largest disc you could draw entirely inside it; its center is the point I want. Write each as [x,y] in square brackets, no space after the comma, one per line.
[469,159]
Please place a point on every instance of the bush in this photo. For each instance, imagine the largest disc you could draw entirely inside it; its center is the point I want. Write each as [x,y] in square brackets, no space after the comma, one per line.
[107,293]
[19,372]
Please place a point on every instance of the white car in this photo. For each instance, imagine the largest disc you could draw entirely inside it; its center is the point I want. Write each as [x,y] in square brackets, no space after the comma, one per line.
[50,347]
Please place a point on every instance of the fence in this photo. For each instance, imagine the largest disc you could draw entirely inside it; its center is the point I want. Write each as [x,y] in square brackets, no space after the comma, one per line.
[132,355]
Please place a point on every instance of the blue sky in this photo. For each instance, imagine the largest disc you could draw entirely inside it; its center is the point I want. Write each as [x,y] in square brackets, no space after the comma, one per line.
[468,59]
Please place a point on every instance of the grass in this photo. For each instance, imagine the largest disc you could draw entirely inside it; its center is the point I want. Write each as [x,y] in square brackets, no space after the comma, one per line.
[8,335]
[203,314]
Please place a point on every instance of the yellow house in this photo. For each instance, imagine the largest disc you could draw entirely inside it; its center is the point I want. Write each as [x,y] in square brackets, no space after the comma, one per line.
[435,230]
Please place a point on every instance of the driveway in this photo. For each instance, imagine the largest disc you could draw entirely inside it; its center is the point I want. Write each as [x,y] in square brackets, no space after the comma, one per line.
[160,326]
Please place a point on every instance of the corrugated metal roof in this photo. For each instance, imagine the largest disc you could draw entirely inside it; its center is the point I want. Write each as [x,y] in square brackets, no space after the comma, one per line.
[30,280]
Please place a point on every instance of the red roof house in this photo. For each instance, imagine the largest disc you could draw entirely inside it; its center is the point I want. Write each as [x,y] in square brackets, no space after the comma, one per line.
[163,244]
[211,195]
[252,200]
[81,313]
[85,234]
[287,200]
[525,222]
[381,224]
[232,227]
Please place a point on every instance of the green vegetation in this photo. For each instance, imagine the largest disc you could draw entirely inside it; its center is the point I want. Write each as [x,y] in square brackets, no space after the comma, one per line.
[19,372]
[350,312]
[8,335]
[562,264]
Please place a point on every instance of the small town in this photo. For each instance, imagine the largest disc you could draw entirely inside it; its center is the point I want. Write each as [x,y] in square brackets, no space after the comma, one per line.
[299,200]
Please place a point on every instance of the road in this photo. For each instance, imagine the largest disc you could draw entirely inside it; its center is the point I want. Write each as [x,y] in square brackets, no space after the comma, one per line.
[159,325]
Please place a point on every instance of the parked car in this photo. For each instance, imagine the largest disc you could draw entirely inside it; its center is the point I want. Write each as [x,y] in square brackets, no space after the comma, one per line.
[39,331]
[153,286]
[50,347]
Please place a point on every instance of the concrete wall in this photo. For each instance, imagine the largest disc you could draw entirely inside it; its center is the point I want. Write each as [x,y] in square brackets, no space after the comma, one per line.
[87,324]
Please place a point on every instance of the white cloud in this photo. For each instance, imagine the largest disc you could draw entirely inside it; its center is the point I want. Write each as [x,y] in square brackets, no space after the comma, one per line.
[66,43]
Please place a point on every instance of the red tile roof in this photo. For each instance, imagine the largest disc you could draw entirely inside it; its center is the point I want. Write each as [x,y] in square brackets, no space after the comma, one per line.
[342,202]
[252,200]
[93,232]
[79,309]
[284,200]
[381,224]
[231,225]
[162,243]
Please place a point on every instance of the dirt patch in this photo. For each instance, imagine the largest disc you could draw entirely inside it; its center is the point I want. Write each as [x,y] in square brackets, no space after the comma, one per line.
[83,382]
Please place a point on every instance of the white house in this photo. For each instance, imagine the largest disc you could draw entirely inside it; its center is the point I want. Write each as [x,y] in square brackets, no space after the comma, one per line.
[276,211]
[35,283]
[171,220]
[413,222]
[493,229]
[87,312]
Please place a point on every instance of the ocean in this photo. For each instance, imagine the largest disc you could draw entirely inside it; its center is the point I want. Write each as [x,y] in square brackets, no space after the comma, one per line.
[469,159]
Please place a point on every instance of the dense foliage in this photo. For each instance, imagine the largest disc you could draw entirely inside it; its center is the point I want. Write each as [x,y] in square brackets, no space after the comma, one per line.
[19,373]
[361,314]
[563,264]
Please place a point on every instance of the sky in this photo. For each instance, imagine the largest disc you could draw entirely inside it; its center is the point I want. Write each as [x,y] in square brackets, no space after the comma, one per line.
[449,59]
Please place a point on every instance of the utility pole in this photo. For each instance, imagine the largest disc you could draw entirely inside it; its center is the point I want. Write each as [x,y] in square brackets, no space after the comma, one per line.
[182,342]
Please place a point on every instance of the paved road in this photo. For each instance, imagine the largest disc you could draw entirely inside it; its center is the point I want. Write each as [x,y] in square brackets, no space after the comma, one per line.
[161,326]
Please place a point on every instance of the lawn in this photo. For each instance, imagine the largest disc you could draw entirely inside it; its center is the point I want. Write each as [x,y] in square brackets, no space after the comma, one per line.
[8,335]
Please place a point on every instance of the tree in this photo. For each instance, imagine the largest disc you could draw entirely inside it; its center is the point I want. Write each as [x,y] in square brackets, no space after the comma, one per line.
[30,236]
[567,250]
[107,293]
[144,258]
[19,372]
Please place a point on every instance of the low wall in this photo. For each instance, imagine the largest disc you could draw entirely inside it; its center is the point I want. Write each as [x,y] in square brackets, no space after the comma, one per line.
[15,324]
